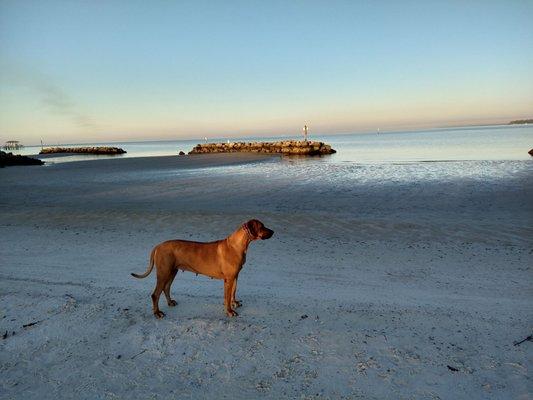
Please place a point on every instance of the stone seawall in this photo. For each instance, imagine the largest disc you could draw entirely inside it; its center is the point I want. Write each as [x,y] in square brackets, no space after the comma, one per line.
[286,147]
[84,150]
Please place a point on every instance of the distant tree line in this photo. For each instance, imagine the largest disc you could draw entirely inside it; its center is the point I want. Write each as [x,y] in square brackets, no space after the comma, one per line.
[521,121]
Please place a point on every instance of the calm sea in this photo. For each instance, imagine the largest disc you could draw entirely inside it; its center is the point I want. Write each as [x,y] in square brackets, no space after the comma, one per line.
[450,144]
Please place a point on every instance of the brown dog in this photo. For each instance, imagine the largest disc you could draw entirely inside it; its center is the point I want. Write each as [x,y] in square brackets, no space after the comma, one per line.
[222,259]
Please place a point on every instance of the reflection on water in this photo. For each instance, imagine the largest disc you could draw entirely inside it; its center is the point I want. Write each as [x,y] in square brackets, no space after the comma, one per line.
[346,174]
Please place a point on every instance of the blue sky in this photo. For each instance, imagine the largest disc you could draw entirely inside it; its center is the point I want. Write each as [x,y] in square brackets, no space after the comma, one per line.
[74,71]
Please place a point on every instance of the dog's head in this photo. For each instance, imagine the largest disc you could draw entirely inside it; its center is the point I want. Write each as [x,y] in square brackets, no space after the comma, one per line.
[257,230]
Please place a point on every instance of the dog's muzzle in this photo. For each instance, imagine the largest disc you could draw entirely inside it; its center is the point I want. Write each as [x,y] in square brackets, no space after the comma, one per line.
[267,235]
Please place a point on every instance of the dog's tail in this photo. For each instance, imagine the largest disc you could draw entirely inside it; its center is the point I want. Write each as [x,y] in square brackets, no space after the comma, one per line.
[150,267]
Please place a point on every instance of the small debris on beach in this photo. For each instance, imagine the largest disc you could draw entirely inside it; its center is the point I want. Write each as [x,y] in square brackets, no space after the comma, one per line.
[527,339]
[30,324]
[138,354]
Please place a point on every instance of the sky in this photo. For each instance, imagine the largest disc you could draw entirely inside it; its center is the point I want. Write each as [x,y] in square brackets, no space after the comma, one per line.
[82,71]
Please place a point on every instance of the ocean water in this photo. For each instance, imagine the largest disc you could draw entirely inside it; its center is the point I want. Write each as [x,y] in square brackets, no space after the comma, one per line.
[447,144]
[451,144]
[470,174]
[482,153]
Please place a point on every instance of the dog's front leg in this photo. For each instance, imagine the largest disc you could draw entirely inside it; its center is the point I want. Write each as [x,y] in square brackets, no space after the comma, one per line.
[228,287]
[234,302]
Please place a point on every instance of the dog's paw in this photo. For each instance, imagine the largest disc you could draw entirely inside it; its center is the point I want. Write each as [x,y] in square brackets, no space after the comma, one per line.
[231,313]
[236,303]
[173,303]
[159,314]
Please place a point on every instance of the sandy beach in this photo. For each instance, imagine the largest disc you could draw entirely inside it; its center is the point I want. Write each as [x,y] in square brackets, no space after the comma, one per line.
[374,289]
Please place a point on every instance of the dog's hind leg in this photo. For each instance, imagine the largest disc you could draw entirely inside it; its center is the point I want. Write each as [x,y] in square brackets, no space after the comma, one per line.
[166,289]
[155,297]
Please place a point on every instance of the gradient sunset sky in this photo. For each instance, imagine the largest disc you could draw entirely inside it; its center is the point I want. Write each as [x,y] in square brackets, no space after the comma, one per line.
[81,71]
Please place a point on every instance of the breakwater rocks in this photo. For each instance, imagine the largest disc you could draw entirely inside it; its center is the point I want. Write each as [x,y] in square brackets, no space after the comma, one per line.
[286,147]
[9,159]
[102,150]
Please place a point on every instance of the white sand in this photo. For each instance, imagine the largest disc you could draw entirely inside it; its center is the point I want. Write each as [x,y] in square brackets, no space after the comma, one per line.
[367,293]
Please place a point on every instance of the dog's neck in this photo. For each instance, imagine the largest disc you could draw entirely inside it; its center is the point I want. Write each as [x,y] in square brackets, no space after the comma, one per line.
[241,239]
[247,230]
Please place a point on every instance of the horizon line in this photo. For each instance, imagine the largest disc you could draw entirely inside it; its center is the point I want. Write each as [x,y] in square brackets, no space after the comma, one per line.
[272,136]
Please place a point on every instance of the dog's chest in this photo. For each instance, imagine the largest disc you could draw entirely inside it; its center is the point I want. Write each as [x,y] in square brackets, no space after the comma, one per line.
[232,260]
[239,260]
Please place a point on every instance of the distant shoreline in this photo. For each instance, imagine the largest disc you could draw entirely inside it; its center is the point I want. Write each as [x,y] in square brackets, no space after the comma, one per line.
[521,122]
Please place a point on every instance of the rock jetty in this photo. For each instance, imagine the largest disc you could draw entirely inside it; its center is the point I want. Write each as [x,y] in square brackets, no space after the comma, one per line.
[286,147]
[84,150]
[9,159]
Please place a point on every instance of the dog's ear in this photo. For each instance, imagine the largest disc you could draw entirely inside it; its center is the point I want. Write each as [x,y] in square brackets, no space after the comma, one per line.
[253,227]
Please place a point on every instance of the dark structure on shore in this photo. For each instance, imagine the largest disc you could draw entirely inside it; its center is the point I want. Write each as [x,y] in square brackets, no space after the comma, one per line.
[100,150]
[13,145]
[10,159]
[286,147]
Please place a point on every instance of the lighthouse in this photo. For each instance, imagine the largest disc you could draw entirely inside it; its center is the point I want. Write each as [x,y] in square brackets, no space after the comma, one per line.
[305,132]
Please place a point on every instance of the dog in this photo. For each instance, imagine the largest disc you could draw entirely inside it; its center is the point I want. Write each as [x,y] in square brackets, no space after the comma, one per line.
[222,259]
